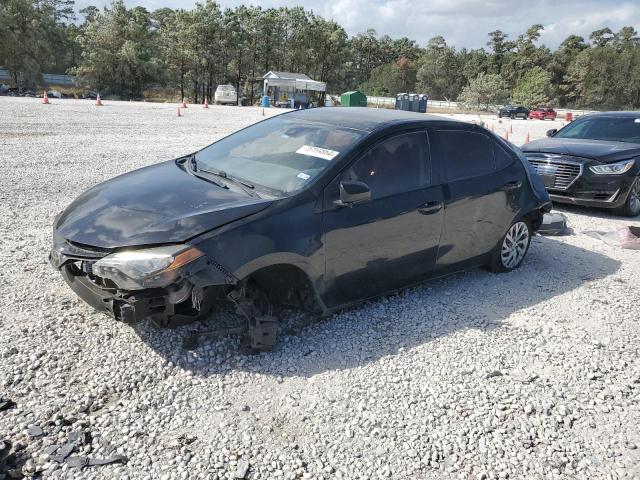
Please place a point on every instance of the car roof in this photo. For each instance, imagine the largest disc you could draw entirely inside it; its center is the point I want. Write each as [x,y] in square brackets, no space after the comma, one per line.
[363,118]
[627,113]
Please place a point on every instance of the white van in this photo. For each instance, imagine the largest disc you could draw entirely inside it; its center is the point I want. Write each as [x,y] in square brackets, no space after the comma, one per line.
[225,94]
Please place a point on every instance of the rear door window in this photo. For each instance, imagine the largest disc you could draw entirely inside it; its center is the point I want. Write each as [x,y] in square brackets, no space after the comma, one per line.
[466,154]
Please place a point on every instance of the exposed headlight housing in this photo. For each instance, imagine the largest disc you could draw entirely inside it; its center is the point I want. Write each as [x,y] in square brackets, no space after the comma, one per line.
[613,168]
[146,268]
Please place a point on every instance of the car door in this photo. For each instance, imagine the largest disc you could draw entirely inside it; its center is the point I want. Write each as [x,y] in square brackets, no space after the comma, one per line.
[480,194]
[392,240]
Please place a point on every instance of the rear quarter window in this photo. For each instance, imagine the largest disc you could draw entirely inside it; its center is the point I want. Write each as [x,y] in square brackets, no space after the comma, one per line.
[466,154]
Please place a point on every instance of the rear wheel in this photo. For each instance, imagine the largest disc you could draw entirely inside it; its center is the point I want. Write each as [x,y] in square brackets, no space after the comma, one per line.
[510,252]
[631,207]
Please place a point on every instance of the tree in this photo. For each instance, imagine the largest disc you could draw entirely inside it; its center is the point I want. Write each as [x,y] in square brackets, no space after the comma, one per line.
[439,76]
[23,46]
[391,78]
[484,91]
[533,89]
[119,52]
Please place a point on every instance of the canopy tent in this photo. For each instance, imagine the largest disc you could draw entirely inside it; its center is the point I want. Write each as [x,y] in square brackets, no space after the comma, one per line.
[292,82]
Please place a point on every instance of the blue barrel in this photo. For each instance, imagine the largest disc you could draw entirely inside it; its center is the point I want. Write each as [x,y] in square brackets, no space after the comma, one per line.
[265,101]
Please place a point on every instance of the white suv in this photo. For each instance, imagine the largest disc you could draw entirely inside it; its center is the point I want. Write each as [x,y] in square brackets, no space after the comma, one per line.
[225,94]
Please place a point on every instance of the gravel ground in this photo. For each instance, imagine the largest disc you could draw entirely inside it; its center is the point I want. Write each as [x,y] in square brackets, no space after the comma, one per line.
[531,374]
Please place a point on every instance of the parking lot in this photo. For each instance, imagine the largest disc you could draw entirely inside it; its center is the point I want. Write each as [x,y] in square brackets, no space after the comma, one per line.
[531,374]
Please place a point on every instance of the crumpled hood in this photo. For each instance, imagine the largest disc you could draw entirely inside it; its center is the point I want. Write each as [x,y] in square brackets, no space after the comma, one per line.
[600,150]
[157,204]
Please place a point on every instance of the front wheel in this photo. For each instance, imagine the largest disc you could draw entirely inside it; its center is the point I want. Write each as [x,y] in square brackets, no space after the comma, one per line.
[631,207]
[510,252]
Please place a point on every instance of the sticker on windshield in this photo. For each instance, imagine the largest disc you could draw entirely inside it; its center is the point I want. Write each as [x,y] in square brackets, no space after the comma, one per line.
[303,176]
[323,153]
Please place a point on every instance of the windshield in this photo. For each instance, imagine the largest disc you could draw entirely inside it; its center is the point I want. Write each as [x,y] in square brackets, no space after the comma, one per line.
[281,153]
[614,129]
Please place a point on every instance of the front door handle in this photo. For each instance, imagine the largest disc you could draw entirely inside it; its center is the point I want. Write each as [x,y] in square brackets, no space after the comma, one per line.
[430,208]
[512,185]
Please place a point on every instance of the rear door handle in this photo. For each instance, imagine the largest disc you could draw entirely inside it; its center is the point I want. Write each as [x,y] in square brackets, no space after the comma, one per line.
[430,208]
[512,185]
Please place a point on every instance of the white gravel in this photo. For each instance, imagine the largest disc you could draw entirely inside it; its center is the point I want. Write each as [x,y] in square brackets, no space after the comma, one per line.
[533,374]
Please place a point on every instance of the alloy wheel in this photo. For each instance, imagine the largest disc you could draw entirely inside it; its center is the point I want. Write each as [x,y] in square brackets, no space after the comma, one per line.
[634,198]
[514,245]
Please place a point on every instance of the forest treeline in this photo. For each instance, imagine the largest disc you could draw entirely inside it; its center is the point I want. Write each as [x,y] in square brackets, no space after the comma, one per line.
[126,51]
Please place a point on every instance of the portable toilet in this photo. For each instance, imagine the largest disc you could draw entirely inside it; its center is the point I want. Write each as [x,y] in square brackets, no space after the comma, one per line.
[422,103]
[399,98]
[353,98]
[405,102]
[414,102]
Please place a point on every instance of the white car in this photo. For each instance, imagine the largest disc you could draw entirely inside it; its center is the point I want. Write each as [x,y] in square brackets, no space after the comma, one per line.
[225,94]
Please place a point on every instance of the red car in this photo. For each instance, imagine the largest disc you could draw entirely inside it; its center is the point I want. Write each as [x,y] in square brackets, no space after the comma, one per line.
[543,113]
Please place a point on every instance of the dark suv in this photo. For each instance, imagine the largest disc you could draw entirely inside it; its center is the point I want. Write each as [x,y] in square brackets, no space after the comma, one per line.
[593,161]
[514,111]
[324,207]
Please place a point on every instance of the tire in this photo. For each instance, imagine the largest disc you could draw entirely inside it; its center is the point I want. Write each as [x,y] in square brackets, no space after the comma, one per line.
[631,206]
[512,248]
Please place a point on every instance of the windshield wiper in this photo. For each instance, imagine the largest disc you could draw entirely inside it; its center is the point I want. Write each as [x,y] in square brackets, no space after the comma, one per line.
[193,163]
[244,185]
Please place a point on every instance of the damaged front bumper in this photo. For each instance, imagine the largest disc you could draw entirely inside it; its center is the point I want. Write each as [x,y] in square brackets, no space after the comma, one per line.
[181,302]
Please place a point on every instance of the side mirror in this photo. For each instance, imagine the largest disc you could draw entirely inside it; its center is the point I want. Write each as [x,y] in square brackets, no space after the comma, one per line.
[552,132]
[352,193]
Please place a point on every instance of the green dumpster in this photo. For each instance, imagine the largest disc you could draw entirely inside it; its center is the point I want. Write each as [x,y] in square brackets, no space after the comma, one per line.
[353,99]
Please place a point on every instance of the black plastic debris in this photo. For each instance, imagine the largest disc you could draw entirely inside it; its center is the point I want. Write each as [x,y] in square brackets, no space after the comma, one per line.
[554,224]
[35,431]
[50,450]
[6,404]
[79,438]
[63,452]
[5,449]
[108,461]
[79,462]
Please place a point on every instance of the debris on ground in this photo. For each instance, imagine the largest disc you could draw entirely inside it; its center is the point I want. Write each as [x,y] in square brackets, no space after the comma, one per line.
[625,237]
[242,470]
[554,223]
[6,404]
[35,431]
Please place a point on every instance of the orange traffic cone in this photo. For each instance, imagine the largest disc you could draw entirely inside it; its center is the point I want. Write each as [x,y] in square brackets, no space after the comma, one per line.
[45,99]
[179,113]
[526,138]
[506,135]
[98,101]
[206,102]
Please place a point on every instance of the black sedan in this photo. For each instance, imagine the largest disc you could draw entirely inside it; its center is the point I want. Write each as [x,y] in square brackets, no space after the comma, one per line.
[322,207]
[514,111]
[593,161]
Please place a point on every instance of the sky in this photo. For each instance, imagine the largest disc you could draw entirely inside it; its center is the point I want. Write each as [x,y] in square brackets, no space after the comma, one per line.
[463,23]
